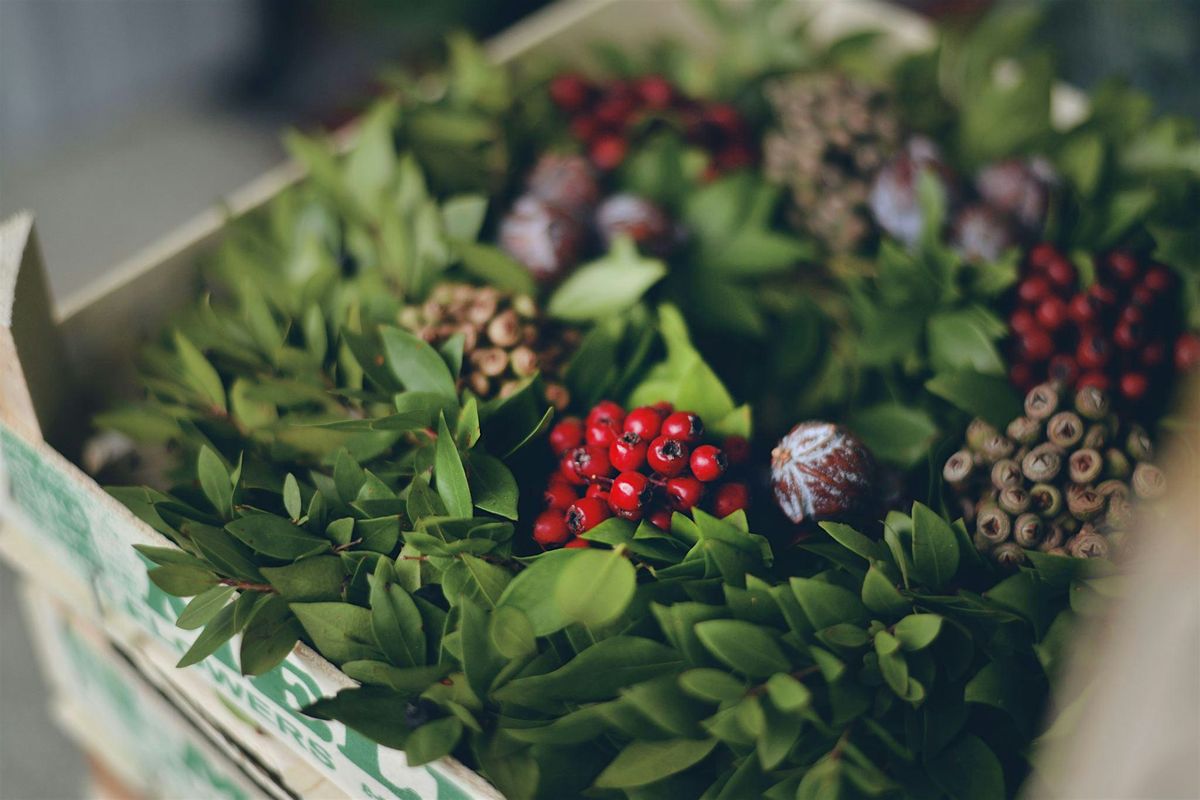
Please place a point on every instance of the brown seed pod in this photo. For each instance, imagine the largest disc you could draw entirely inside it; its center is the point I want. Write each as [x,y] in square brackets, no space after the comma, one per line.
[1008,555]
[1118,513]
[558,396]
[1006,473]
[1065,429]
[1138,444]
[491,361]
[979,432]
[1088,544]
[1149,482]
[997,447]
[958,468]
[1056,551]
[1092,403]
[1024,430]
[524,361]
[1014,500]
[822,471]
[1041,401]
[993,524]
[1043,463]
[1084,466]
[1095,437]
[1045,500]
[505,329]
[1113,488]
[1116,464]
[1084,502]
[1027,530]
[1053,538]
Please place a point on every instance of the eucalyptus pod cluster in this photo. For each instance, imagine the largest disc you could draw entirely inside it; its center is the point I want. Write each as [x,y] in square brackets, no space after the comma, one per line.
[833,133]
[505,338]
[1062,478]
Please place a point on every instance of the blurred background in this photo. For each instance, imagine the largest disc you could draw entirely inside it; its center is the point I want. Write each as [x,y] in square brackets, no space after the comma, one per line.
[121,119]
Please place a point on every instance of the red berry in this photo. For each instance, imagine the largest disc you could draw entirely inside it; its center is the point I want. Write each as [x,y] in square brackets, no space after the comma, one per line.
[628,452]
[629,495]
[1041,255]
[730,498]
[1142,297]
[1022,320]
[1187,352]
[685,492]
[1080,309]
[656,91]
[1134,386]
[586,463]
[1063,369]
[597,490]
[584,128]
[1052,313]
[602,434]
[559,494]
[1101,297]
[1061,273]
[1153,355]
[1021,376]
[566,467]
[684,426]
[1036,345]
[737,449]
[1133,315]
[708,462]
[660,518]
[607,151]
[577,542]
[550,528]
[1033,289]
[586,513]
[663,407]
[1123,266]
[569,92]
[1158,279]
[735,156]
[723,116]
[1093,351]
[644,421]
[667,456]
[606,412]
[1096,380]
[1127,335]
[566,434]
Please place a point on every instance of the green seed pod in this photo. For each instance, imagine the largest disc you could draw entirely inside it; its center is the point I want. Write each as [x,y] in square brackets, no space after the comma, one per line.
[525,306]
[1006,473]
[1095,437]
[1043,463]
[1041,402]
[1138,444]
[958,468]
[1027,530]
[1014,500]
[1116,464]
[1088,544]
[1084,502]
[1045,500]
[1065,429]
[997,447]
[1024,430]
[1084,466]
[993,524]
[1091,402]
[979,432]
[1009,555]
[1149,482]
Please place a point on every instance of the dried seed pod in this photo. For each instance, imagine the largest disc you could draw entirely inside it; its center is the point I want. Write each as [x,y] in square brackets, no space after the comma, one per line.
[1014,500]
[524,361]
[1006,473]
[1065,429]
[993,524]
[470,335]
[482,307]
[979,432]
[1041,401]
[1095,437]
[1045,500]
[505,329]
[1116,464]
[997,447]
[1024,430]
[1043,463]
[1008,555]
[558,396]
[1056,551]
[958,468]
[1113,488]
[525,306]
[1118,513]
[478,383]
[1027,530]
[1138,444]
[1149,482]
[1053,537]
[1092,403]
[822,471]
[1088,544]
[1067,522]
[1084,502]
[1084,466]
[491,361]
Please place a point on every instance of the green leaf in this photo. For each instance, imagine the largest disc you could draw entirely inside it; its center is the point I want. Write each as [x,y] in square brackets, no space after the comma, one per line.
[220,629]
[199,374]
[988,396]
[743,646]
[532,586]
[410,682]
[432,741]
[895,433]
[492,485]
[511,632]
[606,286]
[968,770]
[309,579]
[788,694]
[474,579]
[710,684]
[495,267]
[276,537]
[449,474]
[595,587]
[854,541]
[269,638]
[917,631]
[644,762]
[340,631]
[825,604]
[844,635]
[182,581]
[229,556]
[371,710]
[395,620]
[965,339]
[291,497]
[415,363]
[203,607]
[214,481]
[935,547]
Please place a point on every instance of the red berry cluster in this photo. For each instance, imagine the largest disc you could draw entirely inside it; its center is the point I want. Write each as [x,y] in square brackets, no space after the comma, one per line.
[603,116]
[1115,335]
[643,465]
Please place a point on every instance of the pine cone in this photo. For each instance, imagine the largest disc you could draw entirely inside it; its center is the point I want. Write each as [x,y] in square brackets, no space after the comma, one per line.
[505,338]
[834,133]
[1053,481]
